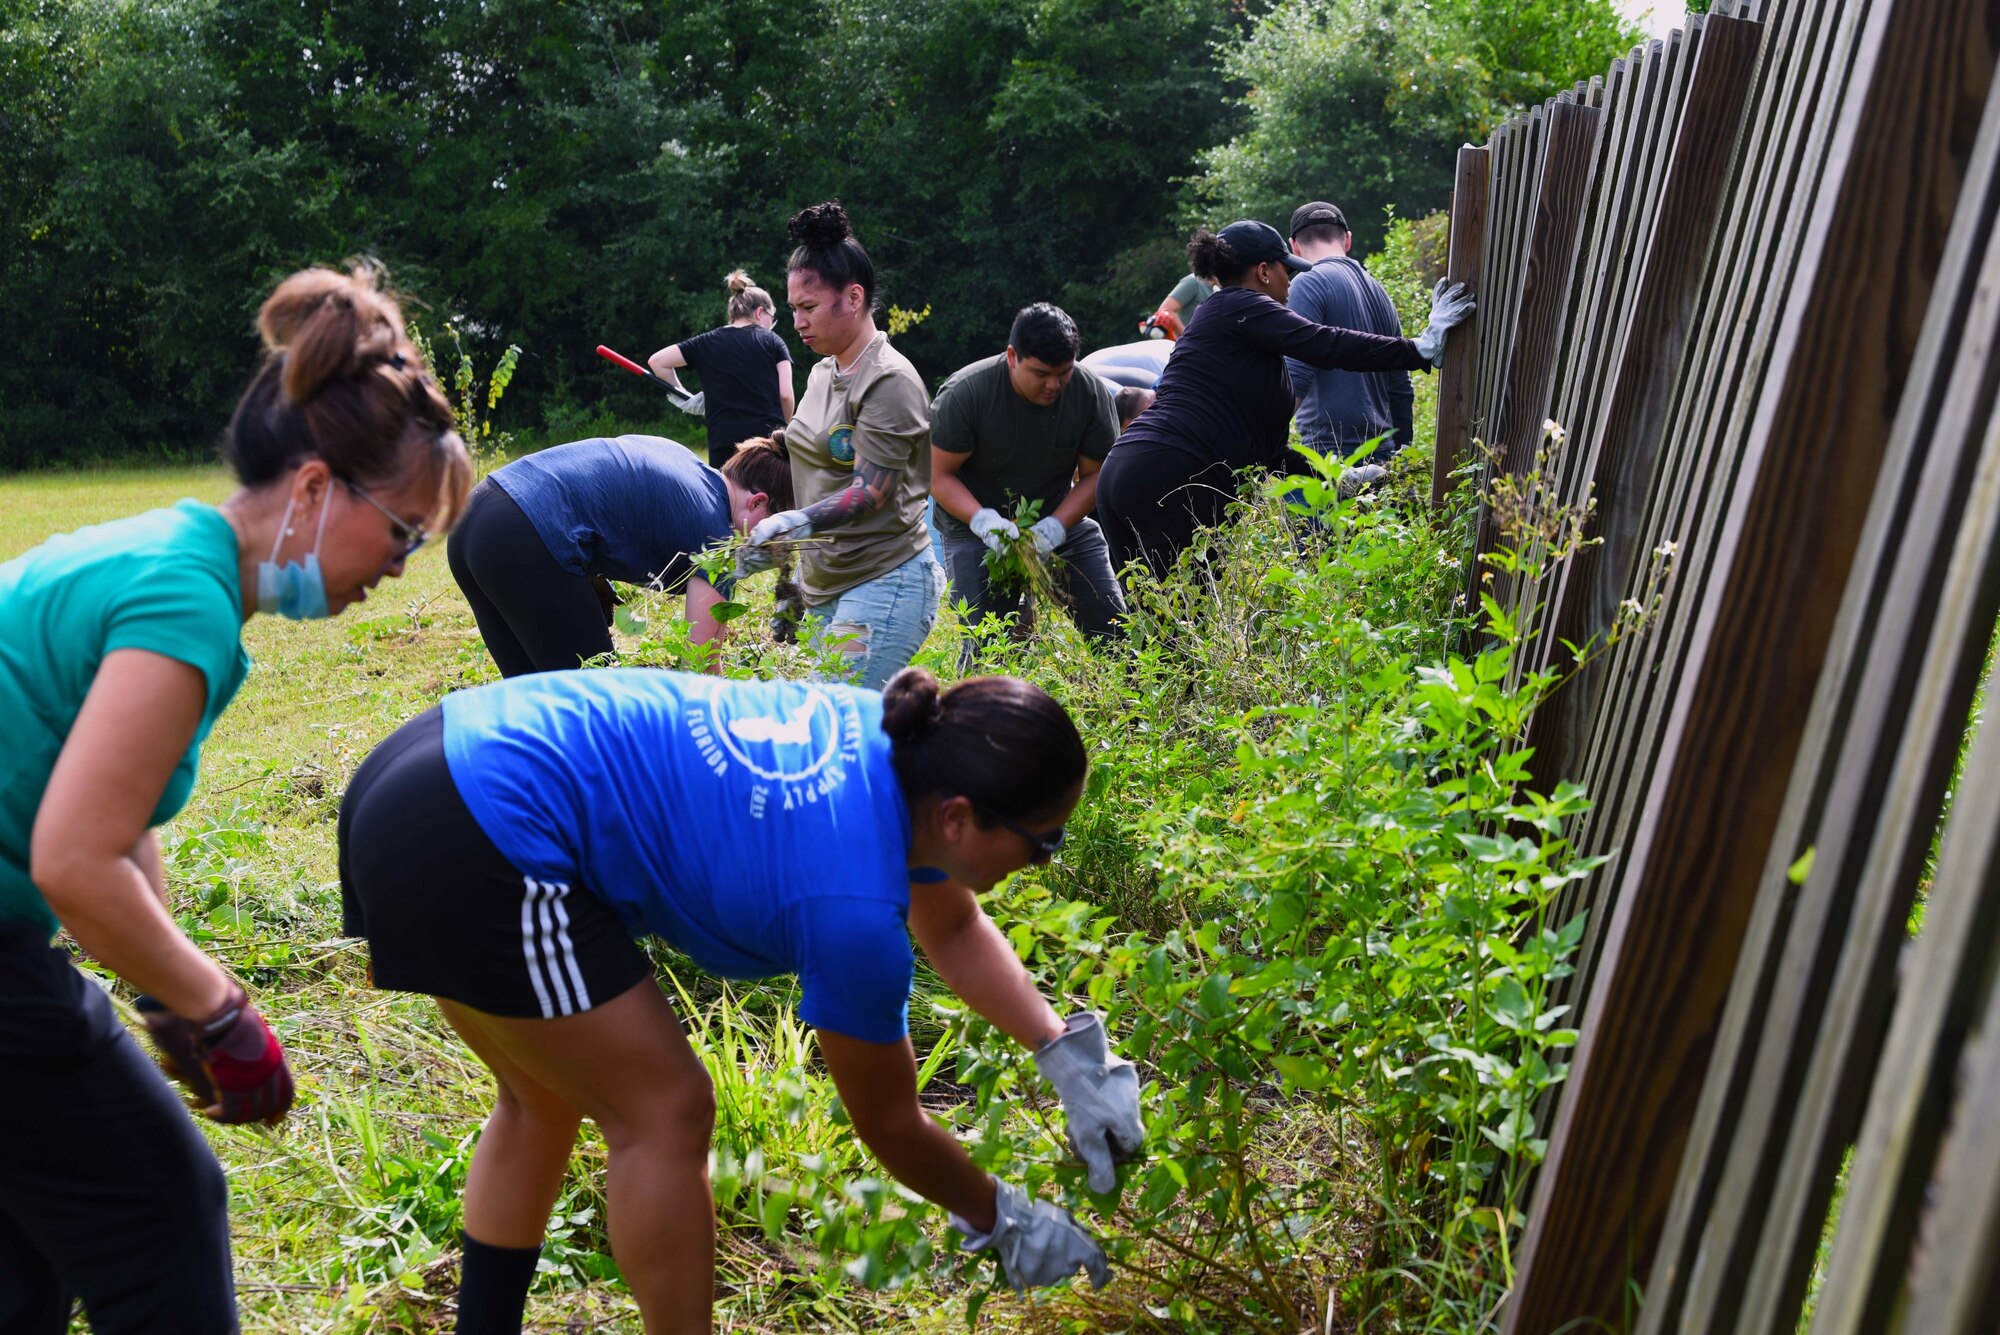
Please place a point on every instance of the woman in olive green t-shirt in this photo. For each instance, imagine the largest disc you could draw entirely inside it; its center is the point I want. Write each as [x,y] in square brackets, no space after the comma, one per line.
[124,643]
[860,446]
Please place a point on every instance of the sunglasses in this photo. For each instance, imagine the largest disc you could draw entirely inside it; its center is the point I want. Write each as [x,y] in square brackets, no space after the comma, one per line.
[1041,847]
[412,536]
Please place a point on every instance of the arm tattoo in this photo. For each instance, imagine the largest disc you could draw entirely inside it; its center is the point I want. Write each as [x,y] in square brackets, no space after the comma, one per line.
[871,489]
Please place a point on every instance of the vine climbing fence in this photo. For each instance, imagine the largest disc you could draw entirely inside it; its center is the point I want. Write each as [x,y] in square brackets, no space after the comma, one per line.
[1753,273]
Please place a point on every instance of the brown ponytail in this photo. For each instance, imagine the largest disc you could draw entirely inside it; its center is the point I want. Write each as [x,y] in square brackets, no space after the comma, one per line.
[746,298]
[762,463]
[341,382]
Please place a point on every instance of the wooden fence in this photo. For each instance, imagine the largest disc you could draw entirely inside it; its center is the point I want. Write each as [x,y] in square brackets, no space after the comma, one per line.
[1753,273]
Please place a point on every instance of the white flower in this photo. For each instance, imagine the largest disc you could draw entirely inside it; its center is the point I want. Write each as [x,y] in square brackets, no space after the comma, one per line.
[1631,607]
[1554,430]
[1665,551]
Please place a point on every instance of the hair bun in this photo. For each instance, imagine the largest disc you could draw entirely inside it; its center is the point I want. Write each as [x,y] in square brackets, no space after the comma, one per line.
[738,281]
[820,226]
[911,706]
[777,439]
[329,325]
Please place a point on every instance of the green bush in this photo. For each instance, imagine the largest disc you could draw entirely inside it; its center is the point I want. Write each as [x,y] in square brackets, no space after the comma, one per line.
[1310,887]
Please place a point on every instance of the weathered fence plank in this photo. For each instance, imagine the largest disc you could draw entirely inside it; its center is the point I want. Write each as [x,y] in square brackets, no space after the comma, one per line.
[1619,448]
[1957,1287]
[1456,378]
[1880,784]
[1752,654]
[1751,272]
[1938,1001]
[1564,179]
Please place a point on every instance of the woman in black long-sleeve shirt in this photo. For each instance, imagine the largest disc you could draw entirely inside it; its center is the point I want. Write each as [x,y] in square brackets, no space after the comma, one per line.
[1225,404]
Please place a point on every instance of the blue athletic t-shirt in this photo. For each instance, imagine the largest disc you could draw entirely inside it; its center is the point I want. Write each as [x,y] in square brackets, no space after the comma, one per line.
[756,826]
[633,508]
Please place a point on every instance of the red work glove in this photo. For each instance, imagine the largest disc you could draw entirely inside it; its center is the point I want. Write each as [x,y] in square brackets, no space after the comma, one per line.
[173,1038]
[231,1061]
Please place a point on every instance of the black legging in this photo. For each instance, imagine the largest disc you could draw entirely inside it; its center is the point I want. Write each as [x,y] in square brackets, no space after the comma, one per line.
[1152,498]
[534,615]
[108,1193]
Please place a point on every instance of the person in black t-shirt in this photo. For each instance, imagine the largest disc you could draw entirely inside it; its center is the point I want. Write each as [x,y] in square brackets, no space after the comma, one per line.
[1224,403]
[745,370]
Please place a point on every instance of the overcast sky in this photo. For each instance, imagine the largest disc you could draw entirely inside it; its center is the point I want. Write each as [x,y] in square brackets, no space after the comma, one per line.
[1656,16]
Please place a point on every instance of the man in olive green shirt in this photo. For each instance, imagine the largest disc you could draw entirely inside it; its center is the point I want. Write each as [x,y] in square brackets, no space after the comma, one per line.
[1176,309]
[1018,427]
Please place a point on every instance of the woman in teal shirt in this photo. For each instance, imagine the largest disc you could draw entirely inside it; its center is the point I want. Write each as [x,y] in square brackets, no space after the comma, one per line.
[123,643]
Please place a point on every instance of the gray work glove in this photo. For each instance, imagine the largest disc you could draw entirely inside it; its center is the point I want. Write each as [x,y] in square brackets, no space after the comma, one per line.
[1100,1097]
[694,404]
[760,553]
[1037,1243]
[1360,478]
[991,527]
[1048,534]
[1449,306]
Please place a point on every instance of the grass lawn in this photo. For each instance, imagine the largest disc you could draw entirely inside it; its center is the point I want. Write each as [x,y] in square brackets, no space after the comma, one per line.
[343,1216]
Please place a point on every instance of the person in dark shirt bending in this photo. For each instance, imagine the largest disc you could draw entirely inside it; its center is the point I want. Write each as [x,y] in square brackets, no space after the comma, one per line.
[1225,403]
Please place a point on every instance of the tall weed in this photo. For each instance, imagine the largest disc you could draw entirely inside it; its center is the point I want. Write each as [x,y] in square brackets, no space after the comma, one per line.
[1310,886]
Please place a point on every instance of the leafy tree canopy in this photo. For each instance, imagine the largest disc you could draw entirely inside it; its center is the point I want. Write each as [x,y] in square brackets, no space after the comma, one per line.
[1364,102]
[563,174]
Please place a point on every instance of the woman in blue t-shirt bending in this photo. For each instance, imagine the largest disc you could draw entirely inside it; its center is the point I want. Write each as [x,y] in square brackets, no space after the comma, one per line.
[502,852]
[542,537]
[123,643]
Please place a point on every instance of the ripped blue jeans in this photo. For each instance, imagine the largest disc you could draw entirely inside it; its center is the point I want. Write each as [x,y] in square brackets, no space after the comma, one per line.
[884,621]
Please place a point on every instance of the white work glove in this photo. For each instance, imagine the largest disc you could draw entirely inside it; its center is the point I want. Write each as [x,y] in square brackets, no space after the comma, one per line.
[1048,534]
[1037,1243]
[760,553]
[1449,307]
[990,527]
[693,404]
[1100,1097]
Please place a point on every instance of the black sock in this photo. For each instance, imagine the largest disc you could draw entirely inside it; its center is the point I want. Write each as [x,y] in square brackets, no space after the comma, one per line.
[493,1290]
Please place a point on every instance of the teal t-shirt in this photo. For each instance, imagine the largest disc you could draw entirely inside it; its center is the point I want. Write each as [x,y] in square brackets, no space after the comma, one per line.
[166,581]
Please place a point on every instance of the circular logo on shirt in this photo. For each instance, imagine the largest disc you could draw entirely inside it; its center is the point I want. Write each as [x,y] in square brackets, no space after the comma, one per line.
[796,753]
[840,443]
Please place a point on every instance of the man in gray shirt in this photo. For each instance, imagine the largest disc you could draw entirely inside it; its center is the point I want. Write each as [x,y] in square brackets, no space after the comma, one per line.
[1339,411]
[1024,426]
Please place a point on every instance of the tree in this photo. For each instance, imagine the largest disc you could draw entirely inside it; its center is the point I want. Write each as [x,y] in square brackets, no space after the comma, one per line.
[1364,102]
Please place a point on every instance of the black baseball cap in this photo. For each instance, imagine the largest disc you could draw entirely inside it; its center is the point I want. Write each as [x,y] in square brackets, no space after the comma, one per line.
[1315,214]
[1259,243]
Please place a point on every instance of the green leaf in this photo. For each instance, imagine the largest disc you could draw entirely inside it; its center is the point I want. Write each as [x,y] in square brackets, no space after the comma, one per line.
[1510,1005]
[1305,1072]
[230,918]
[1285,911]
[1801,869]
[1215,1002]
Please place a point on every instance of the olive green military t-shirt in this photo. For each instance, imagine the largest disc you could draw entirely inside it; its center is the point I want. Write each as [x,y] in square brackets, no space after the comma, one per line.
[1020,451]
[1190,292]
[876,411]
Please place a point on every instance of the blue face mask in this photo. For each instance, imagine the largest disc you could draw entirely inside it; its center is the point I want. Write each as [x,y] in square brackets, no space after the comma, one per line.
[294,590]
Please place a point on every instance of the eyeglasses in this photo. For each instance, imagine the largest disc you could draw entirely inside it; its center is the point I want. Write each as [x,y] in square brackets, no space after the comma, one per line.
[411,535]
[1041,847]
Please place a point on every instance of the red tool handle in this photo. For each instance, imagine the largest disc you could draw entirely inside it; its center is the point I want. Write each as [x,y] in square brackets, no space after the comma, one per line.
[625,362]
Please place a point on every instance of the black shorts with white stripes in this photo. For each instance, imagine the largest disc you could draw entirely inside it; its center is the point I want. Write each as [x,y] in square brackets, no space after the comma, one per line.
[446,914]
